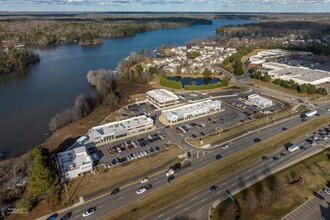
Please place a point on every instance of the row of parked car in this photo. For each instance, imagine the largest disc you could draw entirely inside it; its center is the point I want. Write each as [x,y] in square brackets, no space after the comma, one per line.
[133,156]
[319,136]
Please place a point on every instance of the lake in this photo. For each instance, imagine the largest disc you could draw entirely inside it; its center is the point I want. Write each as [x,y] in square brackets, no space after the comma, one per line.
[31,97]
[194,81]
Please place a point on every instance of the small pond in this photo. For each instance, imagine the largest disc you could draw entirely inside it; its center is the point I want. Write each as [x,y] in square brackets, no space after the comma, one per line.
[194,81]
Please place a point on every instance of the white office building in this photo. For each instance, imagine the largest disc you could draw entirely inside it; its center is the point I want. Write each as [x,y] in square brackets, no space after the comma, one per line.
[262,56]
[162,98]
[75,162]
[260,101]
[120,129]
[190,111]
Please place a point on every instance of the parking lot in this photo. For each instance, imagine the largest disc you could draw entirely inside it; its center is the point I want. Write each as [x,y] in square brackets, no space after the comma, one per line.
[136,147]
[137,110]
[316,208]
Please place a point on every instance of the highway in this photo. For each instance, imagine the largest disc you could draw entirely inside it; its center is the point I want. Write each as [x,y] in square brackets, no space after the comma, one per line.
[108,203]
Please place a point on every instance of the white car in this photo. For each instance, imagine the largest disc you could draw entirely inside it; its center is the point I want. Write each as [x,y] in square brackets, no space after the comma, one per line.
[88,212]
[225,146]
[170,172]
[141,190]
[327,190]
[146,179]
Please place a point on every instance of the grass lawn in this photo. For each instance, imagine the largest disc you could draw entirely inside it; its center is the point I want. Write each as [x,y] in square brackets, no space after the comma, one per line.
[315,171]
[218,170]
[225,134]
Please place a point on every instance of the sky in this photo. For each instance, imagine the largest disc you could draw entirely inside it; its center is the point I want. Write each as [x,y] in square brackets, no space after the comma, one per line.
[168,5]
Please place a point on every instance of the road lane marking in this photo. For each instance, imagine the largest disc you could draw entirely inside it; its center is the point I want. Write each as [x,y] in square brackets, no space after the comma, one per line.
[99,202]
[186,209]
[195,198]
[178,206]
[77,211]
[203,162]
[121,198]
[203,200]
[160,215]
[101,206]
[250,169]
[77,216]
[158,182]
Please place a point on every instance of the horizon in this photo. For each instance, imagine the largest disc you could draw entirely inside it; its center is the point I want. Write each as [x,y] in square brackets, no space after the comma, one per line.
[207,6]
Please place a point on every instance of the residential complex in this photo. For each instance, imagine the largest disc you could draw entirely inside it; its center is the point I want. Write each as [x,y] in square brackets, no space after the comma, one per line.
[300,75]
[74,162]
[191,111]
[260,101]
[162,98]
[116,130]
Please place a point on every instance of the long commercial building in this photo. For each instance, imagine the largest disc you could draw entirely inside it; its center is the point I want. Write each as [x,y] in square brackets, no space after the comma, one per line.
[262,56]
[260,101]
[190,111]
[162,98]
[75,162]
[116,130]
[301,75]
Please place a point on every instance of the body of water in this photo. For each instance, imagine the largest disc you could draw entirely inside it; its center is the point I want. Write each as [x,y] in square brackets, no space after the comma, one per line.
[31,97]
[194,81]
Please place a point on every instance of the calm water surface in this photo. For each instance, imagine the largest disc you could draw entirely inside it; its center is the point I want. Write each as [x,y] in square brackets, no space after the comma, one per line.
[194,81]
[30,98]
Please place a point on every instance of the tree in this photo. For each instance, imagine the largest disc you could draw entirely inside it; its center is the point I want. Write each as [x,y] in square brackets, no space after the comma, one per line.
[25,205]
[139,68]
[153,70]
[207,72]
[193,55]
[43,179]
[238,68]
[266,78]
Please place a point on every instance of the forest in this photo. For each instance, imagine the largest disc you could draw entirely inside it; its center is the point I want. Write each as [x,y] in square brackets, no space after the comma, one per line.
[47,30]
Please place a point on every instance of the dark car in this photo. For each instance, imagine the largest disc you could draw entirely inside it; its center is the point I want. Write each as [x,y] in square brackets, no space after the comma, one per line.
[302,148]
[284,129]
[157,148]
[319,196]
[214,189]
[115,191]
[148,187]
[66,216]
[282,154]
[176,166]
[256,140]
[264,158]
[275,158]
[170,178]
[193,135]
[202,133]
[189,154]
[218,156]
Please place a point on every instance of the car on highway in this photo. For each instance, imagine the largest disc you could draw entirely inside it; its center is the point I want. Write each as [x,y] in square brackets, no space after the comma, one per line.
[170,178]
[264,158]
[89,212]
[224,147]
[141,190]
[303,148]
[282,154]
[115,191]
[52,217]
[256,140]
[214,189]
[66,216]
[284,129]
[275,158]
[327,190]
[148,187]
[145,179]
[218,156]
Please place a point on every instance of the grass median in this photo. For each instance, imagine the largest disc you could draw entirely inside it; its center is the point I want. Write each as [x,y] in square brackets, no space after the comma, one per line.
[314,171]
[241,128]
[211,173]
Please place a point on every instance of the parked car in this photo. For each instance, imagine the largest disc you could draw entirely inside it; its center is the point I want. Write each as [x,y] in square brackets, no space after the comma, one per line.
[327,190]
[115,191]
[214,189]
[141,190]
[89,212]
[145,179]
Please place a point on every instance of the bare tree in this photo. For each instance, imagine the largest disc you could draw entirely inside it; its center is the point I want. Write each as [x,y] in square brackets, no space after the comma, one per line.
[81,107]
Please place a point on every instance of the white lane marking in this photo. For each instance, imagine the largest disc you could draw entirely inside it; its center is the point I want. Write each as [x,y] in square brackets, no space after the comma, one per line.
[178,206]
[195,198]
[186,209]
[99,202]
[203,200]
[225,183]
[158,182]
[101,206]
[77,211]
[121,198]
[160,215]
[236,177]
[204,162]
[77,216]
[250,169]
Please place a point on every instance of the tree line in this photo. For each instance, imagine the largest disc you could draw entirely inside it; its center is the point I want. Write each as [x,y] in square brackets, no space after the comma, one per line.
[235,59]
[103,91]
[12,59]
[178,85]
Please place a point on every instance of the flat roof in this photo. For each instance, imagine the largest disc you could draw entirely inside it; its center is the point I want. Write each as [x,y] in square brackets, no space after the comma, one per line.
[118,127]
[162,95]
[276,65]
[302,73]
[187,109]
[258,97]
[73,159]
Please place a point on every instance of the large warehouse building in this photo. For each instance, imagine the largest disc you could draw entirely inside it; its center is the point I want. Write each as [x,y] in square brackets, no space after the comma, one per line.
[75,162]
[260,101]
[301,75]
[191,111]
[116,130]
[162,98]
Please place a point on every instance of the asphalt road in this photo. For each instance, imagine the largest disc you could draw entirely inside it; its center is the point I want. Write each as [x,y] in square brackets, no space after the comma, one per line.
[108,203]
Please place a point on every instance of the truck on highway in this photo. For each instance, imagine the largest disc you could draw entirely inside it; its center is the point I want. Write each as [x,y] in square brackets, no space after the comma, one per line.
[177,168]
[310,113]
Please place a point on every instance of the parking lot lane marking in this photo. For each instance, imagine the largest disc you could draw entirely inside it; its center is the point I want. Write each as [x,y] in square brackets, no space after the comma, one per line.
[77,211]
[101,206]
[195,198]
